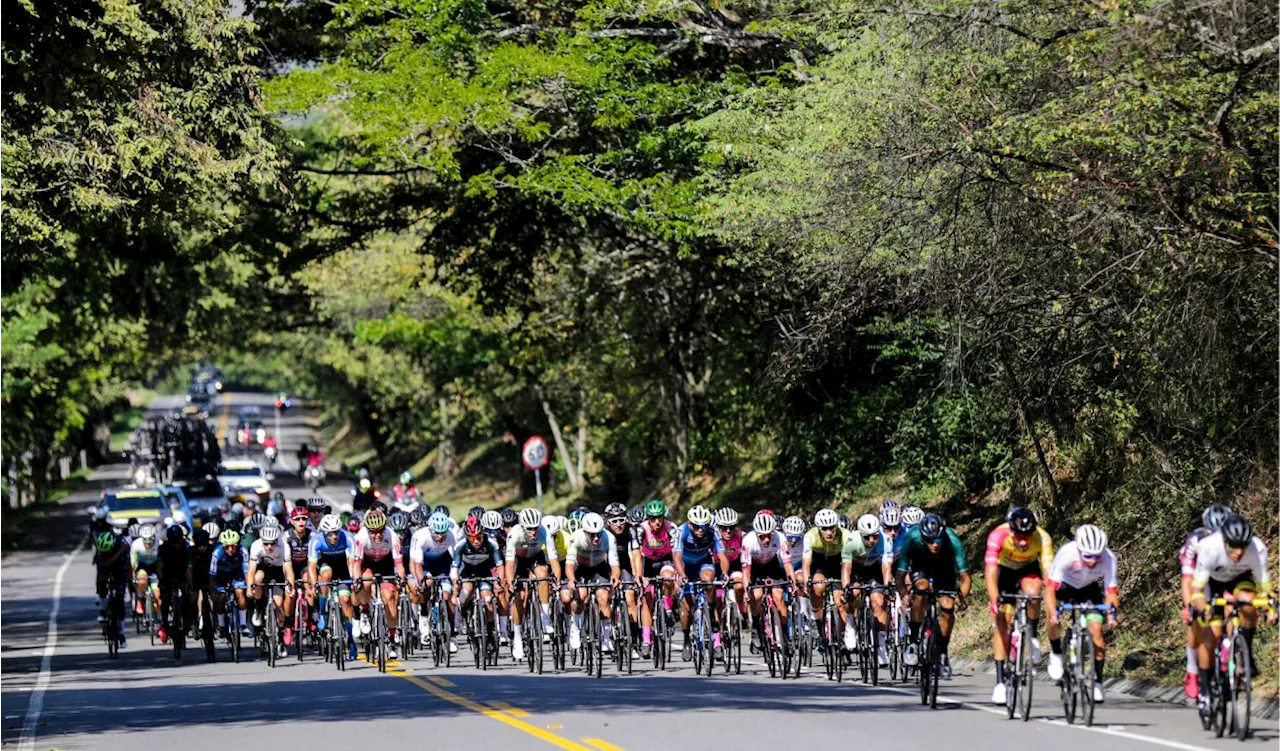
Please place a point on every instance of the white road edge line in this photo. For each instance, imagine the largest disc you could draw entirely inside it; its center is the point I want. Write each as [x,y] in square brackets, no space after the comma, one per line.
[27,742]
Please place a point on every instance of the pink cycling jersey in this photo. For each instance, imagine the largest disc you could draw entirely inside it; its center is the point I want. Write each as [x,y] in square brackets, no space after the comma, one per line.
[656,546]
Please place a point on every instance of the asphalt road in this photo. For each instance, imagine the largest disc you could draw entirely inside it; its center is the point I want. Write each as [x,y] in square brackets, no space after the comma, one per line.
[83,700]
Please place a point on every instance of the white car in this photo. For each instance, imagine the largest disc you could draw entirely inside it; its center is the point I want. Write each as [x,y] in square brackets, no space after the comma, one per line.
[237,476]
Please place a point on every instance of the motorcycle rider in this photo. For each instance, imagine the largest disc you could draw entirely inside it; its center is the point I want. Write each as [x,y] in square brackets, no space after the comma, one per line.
[363,495]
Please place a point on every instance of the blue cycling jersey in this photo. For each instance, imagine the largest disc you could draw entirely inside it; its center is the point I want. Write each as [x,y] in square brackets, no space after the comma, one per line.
[695,550]
[321,548]
[225,567]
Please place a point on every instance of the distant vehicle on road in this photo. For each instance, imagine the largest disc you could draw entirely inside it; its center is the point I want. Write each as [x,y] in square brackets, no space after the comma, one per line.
[241,475]
[147,505]
[203,493]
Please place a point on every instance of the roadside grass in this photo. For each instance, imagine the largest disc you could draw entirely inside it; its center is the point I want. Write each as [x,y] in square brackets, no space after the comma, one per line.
[15,523]
[124,423]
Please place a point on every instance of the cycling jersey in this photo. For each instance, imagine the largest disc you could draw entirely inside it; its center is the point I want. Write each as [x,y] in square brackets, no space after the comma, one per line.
[224,567]
[732,543]
[816,546]
[760,549]
[423,546]
[586,554]
[1070,570]
[795,548]
[141,556]
[336,555]
[1190,548]
[299,544]
[855,551]
[275,557]
[657,546]
[626,542]
[1006,550]
[694,550]
[499,537]
[370,550]
[561,540]
[520,546]
[472,561]
[174,558]
[1213,563]
[914,556]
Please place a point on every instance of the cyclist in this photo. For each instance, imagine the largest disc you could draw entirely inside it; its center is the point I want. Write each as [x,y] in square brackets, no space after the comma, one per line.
[765,558]
[793,528]
[377,553]
[297,538]
[693,550]
[1231,562]
[227,569]
[143,553]
[592,558]
[430,556]
[332,551]
[271,562]
[111,560]
[911,516]
[656,542]
[316,509]
[476,557]
[406,495]
[250,529]
[1211,520]
[1019,551]
[203,541]
[277,507]
[821,560]
[890,519]
[363,494]
[931,556]
[1078,568]
[867,562]
[173,567]
[491,522]
[726,521]
[615,519]
[510,520]
[530,552]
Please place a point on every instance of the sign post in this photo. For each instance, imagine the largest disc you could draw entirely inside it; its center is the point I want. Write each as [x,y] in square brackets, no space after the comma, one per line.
[535,456]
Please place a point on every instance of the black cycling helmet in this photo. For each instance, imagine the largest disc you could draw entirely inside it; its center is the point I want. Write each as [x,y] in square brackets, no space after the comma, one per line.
[475,511]
[200,537]
[510,517]
[932,528]
[1237,532]
[174,534]
[1021,520]
[418,517]
[845,522]
[614,510]
[1213,517]
[378,506]
[636,514]
[441,509]
[253,523]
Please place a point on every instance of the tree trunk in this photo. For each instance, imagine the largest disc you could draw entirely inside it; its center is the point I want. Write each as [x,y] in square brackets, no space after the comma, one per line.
[445,448]
[1024,421]
[582,447]
[575,481]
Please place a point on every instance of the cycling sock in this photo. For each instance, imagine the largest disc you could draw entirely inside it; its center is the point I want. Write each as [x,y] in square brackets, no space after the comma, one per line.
[502,623]
[1248,633]
[1192,667]
[1035,626]
[646,634]
[914,630]
[242,620]
[1056,646]
[999,671]
[1097,670]
[1204,681]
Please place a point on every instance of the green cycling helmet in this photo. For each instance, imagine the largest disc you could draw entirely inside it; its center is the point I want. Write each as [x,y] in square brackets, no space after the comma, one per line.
[105,542]
[655,508]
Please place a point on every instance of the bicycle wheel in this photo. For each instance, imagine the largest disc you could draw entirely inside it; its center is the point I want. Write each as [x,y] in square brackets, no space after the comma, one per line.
[1221,705]
[482,628]
[1240,686]
[300,625]
[1070,679]
[1011,679]
[1026,675]
[438,648]
[337,634]
[837,643]
[207,631]
[658,634]
[935,669]
[873,649]
[597,637]
[177,633]
[925,670]
[381,636]
[151,616]
[273,635]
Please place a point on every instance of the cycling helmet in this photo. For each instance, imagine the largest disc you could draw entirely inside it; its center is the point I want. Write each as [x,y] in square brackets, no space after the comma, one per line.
[1213,517]
[593,523]
[475,511]
[406,478]
[366,484]
[375,521]
[1021,520]
[105,542]
[298,513]
[615,510]
[363,473]
[229,537]
[792,526]
[655,508]
[932,528]
[440,509]
[179,517]
[398,521]
[826,518]
[767,511]
[317,504]
[270,521]
[726,517]
[439,523]
[510,517]
[254,522]
[911,515]
[100,514]
[553,523]
[147,532]
[353,524]
[491,520]
[845,522]
[1090,540]
[699,516]
[200,537]
[330,524]
[212,529]
[174,534]
[1237,532]
[471,527]
[132,528]
[764,524]
[572,525]
[530,518]
[418,517]
[278,496]
[636,515]
[378,506]
[576,515]
[270,534]
[869,524]
[890,514]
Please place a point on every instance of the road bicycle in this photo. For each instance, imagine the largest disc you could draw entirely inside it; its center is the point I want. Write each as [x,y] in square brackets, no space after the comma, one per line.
[1230,690]
[731,627]
[482,633]
[1078,658]
[830,635]
[113,623]
[301,620]
[531,626]
[775,646]
[333,638]
[702,628]
[663,622]
[867,650]
[592,632]
[173,604]
[1021,674]
[624,636]
[929,666]
[229,607]
[438,623]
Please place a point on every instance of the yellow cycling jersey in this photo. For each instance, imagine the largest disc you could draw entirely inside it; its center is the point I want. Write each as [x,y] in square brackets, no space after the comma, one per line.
[815,545]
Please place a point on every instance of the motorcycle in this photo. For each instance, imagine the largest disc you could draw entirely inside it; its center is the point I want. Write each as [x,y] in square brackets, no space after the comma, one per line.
[269,453]
[314,476]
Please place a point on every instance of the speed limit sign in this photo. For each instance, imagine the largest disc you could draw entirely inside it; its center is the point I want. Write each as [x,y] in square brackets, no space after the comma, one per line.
[535,453]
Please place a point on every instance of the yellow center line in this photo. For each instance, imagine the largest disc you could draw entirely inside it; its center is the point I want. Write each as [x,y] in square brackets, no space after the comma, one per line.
[509,709]
[445,682]
[222,418]
[600,744]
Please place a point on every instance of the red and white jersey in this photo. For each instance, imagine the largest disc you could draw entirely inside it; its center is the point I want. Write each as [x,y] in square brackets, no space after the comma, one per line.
[1190,550]
[1070,569]
[368,549]
[762,549]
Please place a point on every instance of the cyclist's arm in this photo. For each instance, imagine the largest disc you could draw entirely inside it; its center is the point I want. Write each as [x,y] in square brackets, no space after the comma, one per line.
[991,566]
[966,584]
[1046,549]
[397,553]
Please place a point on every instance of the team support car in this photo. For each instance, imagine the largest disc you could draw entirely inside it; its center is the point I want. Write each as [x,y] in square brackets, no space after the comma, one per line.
[203,492]
[147,505]
[240,476]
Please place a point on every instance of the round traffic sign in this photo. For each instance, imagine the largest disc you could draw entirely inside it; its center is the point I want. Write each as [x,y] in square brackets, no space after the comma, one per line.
[535,453]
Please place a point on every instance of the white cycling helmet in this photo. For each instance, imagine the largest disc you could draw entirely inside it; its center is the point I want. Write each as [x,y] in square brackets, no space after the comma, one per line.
[793,526]
[439,523]
[593,523]
[764,524]
[330,523]
[179,517]
[868,525]
[212,529]
[553,523]
[147,532]
[890,514]
[269,534]
[726,517]
[530,518]
[911,515]
[699,516]
[270,521]
[1090,540]
[491,520]
[826,518]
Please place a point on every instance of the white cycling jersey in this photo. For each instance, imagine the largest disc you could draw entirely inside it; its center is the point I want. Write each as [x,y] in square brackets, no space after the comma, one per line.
[259,555]
[757,549]
[582,552]
[1070,569]
[139,553]
[1213,562]
[423,545]
[369,549]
